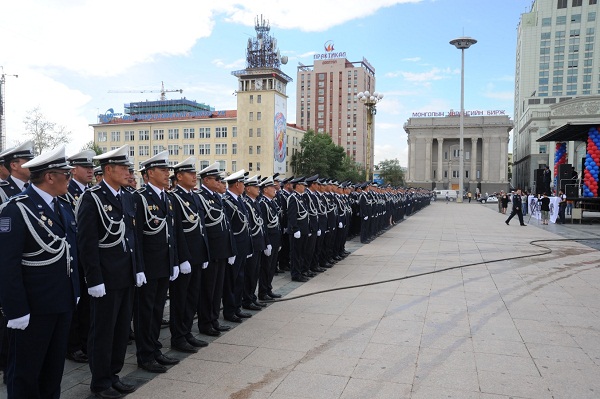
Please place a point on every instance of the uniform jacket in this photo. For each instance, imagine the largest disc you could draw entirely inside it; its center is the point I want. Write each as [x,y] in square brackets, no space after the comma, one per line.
[297,214]
[106,238]
[8,188]
[257,229]
[188,208]
[269,210]
[27,284]
[220,238]
[239,217]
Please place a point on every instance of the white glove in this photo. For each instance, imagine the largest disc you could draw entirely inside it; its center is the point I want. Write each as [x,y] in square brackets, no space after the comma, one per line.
[20,323]
[77,301]
[248,256]
[340,225]
[205,265]
[175,273]
[231,260]
[140,279]
[267,251]
[97,291]
[185,268]
[297,234]
[366,217]
[318,233]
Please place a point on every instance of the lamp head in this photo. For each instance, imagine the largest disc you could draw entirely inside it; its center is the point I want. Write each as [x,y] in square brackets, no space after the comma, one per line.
[463,43]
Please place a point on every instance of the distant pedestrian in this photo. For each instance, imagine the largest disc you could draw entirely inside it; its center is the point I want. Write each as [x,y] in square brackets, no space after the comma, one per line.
[447,198]
[562,205]
[545,208]
[469,195]
[517,208]
[504,201]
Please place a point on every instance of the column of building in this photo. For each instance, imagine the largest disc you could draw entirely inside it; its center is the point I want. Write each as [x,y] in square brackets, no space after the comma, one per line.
[485,157]
[473,172]
[440,163]
[503,158]
[428,160]
[413,168]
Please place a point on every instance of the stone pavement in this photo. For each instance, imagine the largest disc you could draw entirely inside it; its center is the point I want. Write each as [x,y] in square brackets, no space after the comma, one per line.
[526,328]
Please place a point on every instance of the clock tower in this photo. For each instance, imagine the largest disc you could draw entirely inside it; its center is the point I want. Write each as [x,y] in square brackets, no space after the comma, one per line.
[262,105]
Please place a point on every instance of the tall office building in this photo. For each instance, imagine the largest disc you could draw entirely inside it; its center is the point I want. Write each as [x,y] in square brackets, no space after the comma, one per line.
[557,80]
[327,102]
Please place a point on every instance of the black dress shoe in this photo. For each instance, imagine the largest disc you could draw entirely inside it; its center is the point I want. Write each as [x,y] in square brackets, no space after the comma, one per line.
[123,388]
[262,305]
[264,297]
[233,319]
[317,270]
[338,258]
[251,306]
[243,315]
[77,356]
[222,328]
[284,268]
[166,360]
[198,343]
[274,295]
[327,265]
[153,367]
[209,331]
[184,346]
[309,274]
[300,279]
[109,393]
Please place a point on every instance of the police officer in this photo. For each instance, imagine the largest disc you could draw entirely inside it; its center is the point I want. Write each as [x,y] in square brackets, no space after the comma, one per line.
[106,239]
[184,292]
[270,210]
[157,230]
[222,251]
[19,176]
[298,229]
[98,174]
[82,176]
[39,283]
[238,215]
[283,263]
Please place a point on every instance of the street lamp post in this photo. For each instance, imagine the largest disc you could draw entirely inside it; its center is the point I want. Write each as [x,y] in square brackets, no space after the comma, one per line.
[462,43]
[370,101]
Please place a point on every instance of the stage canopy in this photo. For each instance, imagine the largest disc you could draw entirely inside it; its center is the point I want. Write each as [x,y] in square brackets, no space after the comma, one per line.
[572,131]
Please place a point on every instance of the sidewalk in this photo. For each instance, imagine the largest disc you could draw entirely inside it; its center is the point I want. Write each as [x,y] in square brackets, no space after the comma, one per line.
[527,328]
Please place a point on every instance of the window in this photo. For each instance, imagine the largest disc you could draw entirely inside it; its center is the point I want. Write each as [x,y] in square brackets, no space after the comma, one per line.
[561,20]
[144,150]
[259,99]
[189,133]
[250,150]
[115,136]
[234,131]
[220,149]
[591,16]
[220,132]
[258,150]
[173,149]
[576,18]
[204,164]
[102,137]
[546,21]
[251,99]
[258,116]
[222,166]
[562,4]
[258,166]
[159,134]
[233,165]
[592,2]
[204,132]
[157,149]
[234,149]
[129,135]
[455,173]
[250,132]
[173,134]
[258,132]
[251,116]
[542,149]
[576,3]
[188,149]
[131,151]
[143,135]
[250,166]
[455,153]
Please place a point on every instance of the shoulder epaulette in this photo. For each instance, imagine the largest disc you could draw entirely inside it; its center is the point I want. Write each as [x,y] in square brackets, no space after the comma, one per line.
[140,190]
[64,199]
[94,188]
[3,183]
[19,197]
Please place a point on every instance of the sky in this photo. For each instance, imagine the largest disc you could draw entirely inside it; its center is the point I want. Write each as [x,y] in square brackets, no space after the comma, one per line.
[69,55]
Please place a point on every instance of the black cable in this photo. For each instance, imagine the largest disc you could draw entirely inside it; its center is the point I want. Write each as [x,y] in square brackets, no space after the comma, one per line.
[533,242]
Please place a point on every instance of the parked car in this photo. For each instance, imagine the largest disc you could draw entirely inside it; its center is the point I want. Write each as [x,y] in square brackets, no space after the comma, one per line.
[489,198]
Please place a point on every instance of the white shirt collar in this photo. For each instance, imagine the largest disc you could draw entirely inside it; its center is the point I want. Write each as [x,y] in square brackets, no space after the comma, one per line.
[184,189]
[208,189]
[158,191]
[112,190]
[83,187]
[235,196]
[45,196]
[20,183]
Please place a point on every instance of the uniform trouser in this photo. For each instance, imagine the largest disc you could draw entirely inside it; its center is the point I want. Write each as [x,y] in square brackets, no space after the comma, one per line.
[311,242]
[211,292]
[110,322]
[183,298]
[561,212]
[233,286]
[268,265]
[80,323]
[318,253]
[149,306]
[328,246]
[36,356]
[364,230]
[284,253]
[251,272]
[3,345]
[297,253]
[518,213]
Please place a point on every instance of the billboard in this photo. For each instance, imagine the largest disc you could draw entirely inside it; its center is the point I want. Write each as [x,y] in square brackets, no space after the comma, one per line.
[280,134]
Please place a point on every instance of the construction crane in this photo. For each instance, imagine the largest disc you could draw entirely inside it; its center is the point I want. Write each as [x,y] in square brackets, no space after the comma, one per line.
[162,91]
[2,117]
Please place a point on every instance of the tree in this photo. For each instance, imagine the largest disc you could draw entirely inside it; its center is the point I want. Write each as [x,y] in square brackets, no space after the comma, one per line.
[319,155]
[90,145]
[391,172]
[45,134]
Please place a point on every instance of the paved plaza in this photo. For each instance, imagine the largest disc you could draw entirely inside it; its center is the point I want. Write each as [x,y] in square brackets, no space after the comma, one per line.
[526,328]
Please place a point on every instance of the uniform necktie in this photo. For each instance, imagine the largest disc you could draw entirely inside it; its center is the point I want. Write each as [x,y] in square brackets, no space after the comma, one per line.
[118,197]
[57,209]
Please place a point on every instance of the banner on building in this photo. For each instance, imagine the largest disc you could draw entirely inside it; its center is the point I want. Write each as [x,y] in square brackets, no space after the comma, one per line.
[280,135]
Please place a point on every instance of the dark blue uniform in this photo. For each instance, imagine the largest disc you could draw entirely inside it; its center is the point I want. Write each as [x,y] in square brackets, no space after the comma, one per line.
[270,214]
[259,244]
[42,281]
[297,222]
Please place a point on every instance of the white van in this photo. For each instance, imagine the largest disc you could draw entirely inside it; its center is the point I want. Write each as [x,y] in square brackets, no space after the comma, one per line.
[440,195]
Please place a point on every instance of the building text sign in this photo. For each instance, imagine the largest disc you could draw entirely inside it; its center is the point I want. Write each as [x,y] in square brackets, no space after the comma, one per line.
[429,114]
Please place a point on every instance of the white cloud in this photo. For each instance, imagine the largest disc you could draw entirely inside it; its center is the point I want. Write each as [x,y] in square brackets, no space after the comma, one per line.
[237,64]
[412,59]
[500,95]
[423,78]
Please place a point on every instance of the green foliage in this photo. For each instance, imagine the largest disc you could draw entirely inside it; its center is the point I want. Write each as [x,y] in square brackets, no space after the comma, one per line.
[391,172]
[44,133]
[90,145]
[319,155]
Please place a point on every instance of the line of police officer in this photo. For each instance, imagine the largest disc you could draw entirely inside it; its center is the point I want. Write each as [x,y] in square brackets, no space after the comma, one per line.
[205,246]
